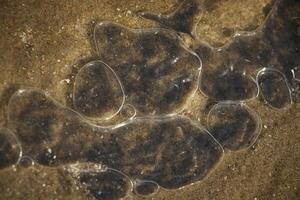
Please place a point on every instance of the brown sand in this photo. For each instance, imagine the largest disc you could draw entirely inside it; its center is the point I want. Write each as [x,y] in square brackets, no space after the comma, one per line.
[41,41]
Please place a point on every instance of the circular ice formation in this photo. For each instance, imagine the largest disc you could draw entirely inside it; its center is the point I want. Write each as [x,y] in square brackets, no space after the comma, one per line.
[109,184]
[26,162]
[10,148]
[158,71]
[234,125]
[32,114]
[145,188]
[274,88]
[98,92]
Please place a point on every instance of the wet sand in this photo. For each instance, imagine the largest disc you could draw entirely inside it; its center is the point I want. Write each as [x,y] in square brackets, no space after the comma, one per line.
[41,44]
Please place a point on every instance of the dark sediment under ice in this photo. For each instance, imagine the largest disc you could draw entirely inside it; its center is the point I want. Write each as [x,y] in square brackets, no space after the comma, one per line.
[106,184]
[157,73]
[275,45]
[145,187]
[223,79]
[274,88]
[183,19]
[10,148]
[172,152]
[98,92]
[234,125]
[157,70]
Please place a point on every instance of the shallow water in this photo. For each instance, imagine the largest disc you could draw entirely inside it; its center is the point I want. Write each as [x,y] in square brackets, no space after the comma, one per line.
[156,111]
